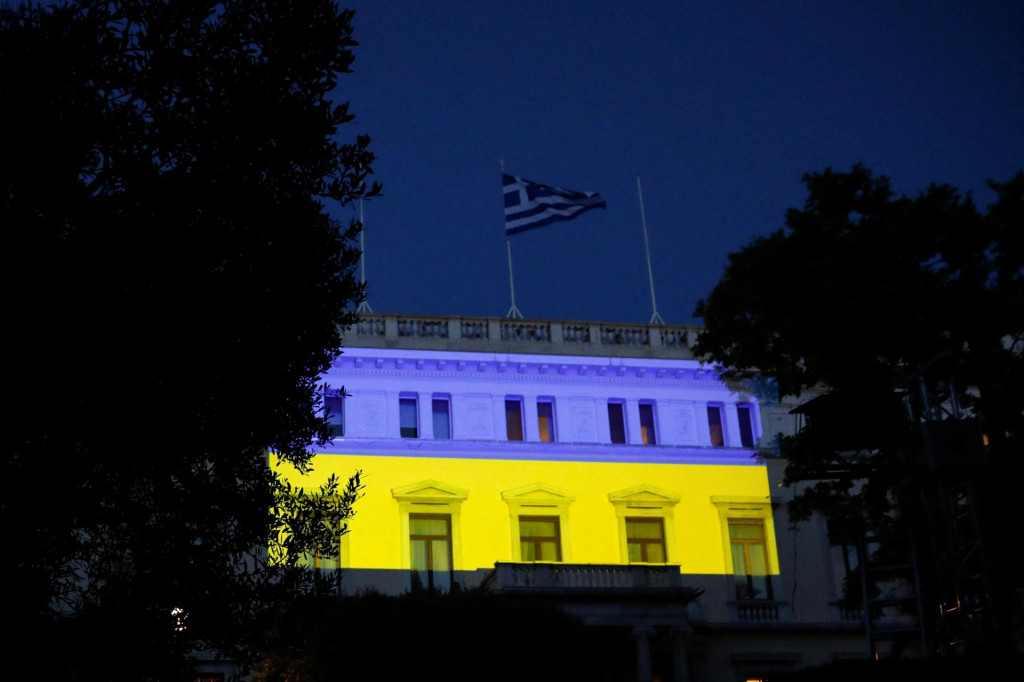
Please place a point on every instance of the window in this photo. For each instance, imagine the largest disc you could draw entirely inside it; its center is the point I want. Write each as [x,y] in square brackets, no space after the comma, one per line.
[645,519]
[441,409]
[546,420]
[334,410]
[616,421]
[430,551]
[539,521]
[749,559]
[746,425]
[715,426]
[645,540]
[407,417]
[539,538]
[647,424]
[431,513]
[514,418]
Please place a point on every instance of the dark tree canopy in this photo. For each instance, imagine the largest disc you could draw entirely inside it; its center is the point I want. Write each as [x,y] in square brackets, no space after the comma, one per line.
[864,287]
[882,300]
[864,291]
[174,285]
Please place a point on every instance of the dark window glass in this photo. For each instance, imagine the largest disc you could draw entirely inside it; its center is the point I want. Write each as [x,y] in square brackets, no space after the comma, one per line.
[334,406]
[647,424]
[715,426]
[616,422]
[442,419]
[546,421]
[746,426]
[407,418]
[514,418]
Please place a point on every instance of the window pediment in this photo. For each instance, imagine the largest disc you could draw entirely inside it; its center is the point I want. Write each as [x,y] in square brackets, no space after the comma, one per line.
[645,495]
[538,493]
[429,491]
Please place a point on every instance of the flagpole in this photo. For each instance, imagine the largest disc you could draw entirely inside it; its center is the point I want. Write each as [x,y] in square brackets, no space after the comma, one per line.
[513,312]
[364,306]
[655,317]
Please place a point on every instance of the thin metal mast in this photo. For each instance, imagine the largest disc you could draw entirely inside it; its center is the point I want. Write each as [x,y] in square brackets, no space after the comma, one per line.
[513,312]
[655,317]
[364,306]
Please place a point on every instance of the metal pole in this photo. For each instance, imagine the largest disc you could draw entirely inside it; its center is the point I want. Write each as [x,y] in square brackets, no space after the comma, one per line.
[364,306]
[655,317]
[513,312]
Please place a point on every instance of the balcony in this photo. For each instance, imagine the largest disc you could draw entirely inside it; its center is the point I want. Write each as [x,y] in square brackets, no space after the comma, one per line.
[588,580]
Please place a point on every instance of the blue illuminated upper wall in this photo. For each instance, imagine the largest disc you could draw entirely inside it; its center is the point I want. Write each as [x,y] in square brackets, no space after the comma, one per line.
[564,400]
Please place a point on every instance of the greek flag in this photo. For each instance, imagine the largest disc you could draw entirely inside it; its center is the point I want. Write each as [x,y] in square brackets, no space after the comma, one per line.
[531,204]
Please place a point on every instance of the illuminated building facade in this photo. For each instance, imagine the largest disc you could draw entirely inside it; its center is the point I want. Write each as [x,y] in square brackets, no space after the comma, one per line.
[600,465]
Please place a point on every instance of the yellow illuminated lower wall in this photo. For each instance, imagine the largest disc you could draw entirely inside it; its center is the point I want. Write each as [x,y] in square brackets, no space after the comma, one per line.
[696,501]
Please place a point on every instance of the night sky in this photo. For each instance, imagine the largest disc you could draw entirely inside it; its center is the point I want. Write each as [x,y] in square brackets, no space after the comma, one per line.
[718,106]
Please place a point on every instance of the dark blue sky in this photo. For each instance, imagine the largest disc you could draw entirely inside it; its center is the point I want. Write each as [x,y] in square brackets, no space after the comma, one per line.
[719,106]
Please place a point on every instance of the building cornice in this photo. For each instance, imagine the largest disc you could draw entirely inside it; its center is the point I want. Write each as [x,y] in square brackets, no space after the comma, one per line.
[537,451]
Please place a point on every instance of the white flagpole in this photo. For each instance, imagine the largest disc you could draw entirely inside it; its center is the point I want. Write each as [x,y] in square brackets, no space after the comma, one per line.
[364,306]
[655,317]
[513,312]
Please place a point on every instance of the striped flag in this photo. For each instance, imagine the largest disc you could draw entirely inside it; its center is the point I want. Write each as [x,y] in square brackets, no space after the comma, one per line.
[531,204]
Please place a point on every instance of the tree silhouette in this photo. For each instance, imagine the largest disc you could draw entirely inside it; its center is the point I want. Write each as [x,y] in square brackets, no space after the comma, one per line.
[889,302]
[174,284]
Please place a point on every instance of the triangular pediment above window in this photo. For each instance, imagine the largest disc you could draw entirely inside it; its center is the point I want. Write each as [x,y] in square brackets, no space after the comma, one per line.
[644,494]
[538,492]
[429,491]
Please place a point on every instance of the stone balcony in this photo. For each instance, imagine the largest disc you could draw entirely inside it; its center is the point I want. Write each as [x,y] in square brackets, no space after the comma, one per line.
[607,580]
[504,335]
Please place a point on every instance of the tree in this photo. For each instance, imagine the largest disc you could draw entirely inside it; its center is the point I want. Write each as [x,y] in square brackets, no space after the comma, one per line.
[881,299]
[484,635]
[174,287]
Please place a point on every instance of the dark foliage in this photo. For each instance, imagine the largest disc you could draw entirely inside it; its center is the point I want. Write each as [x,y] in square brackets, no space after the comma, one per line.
[174,285]
[931,669]
[469,635]
[882,299]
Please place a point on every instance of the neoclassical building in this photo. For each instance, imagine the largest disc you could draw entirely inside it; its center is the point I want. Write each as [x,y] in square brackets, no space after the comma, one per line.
[597,464]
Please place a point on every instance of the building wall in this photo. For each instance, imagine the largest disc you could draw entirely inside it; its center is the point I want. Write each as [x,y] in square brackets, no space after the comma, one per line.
[591,533]
[591,483]
[485,481]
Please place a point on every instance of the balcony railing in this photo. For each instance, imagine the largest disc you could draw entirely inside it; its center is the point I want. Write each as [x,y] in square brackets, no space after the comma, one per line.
[580,578]
[757,611]
[503,335]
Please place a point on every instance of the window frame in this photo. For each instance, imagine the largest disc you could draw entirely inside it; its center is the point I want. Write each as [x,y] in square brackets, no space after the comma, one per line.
[539,499]
[407,399]
[430,497]
[510,422]
[646,501]
[719,408]
[620,406]
[550,429]
[747,591]
[336,430]
[446,400]
[746,425]
[750,511]
[648,421]
[644,542]
[430,539]
[539,540]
